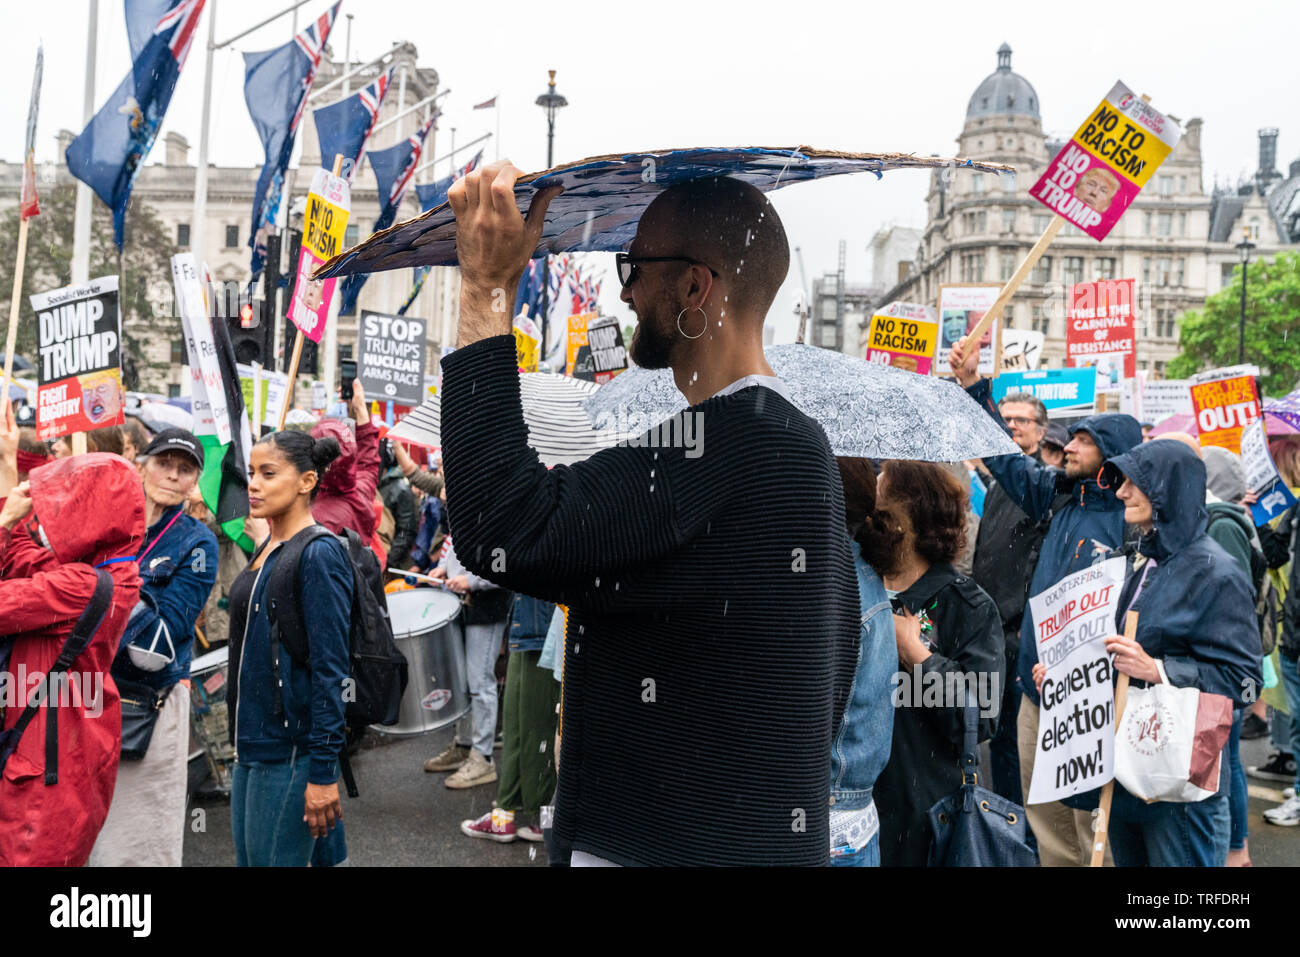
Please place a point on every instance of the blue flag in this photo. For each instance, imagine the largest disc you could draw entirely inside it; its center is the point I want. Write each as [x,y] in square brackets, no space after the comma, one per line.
[276,85]
[109,152]
[344,127]
[394,169]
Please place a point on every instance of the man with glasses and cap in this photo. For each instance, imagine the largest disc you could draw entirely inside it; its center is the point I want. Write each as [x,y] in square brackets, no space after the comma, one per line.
[178,565]
[713,605]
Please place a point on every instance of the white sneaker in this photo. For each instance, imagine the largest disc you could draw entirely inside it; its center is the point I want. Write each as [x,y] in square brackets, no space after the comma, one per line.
[1286,814]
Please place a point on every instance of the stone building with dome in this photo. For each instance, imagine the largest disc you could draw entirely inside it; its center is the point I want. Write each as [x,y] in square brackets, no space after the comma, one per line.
[979,226]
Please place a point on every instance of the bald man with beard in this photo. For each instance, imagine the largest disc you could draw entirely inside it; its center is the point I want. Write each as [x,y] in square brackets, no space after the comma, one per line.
[712,632]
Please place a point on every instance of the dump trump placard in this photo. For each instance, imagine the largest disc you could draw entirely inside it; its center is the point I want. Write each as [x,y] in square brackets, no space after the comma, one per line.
[1075,751]
[324,222]
[78,358]
[904,335]
[1112,155]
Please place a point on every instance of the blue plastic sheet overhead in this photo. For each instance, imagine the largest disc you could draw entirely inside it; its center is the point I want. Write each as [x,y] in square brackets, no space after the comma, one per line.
[604,197]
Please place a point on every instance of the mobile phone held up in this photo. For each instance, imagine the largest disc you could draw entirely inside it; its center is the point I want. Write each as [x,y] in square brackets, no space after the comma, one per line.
[347,375]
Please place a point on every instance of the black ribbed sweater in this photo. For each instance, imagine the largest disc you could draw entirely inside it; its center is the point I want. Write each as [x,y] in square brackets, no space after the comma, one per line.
[713,624]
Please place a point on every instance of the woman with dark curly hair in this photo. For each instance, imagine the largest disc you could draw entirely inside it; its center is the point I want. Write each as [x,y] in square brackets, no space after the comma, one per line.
[950,648]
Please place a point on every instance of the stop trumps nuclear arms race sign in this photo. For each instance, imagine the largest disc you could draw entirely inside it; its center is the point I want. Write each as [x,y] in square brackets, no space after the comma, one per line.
[1106,163]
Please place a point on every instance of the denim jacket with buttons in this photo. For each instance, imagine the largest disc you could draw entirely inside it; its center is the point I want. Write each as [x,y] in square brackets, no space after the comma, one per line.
[860,749]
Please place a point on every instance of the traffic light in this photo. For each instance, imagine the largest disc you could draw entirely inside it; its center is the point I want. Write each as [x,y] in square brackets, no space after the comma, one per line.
[250,333]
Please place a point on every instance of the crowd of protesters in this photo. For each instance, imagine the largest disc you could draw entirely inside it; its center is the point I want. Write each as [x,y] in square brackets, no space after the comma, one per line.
[697,657]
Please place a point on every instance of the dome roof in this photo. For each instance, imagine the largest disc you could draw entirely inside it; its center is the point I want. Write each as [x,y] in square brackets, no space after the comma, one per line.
[1003,92]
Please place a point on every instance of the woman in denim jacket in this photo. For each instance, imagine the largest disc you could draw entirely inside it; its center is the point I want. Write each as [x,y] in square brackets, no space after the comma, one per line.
[861,746]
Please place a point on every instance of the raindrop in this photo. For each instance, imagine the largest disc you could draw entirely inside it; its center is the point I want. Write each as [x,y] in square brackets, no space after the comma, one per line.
[582,628]
[652,488]
[725,604]
[597,582]
[616,584]
[652,473]
[532,852]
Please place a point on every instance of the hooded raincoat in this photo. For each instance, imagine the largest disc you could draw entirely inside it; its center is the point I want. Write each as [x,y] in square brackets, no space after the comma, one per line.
[91,508]
[347,489]
[1196,607]
[1086,520]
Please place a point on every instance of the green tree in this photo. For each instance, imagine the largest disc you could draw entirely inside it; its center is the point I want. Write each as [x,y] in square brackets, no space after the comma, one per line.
[1209,336]
[145,263]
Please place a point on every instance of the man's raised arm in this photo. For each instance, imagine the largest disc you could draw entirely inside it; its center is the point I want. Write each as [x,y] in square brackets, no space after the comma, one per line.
[1027,482]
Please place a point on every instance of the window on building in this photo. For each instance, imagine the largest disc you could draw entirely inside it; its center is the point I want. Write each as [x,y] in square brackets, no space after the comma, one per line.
[178,352]
[977,184]
[1009,220]
[1166,186]
[232,237]
[1042,270]
[173,390]
[1008,181]
[351,236]
[1072,270]
[1009,314]
[1006,265]
[1180,271]
[1166,324]
[972,267]
[1040,321]
[1146,270]
[1226,274]
[1165,224]
[1254,228]
[1182,185]
[1040,221]
[1103,267]
[1182,224]
[1163,274]
[183,235]
[1147,221]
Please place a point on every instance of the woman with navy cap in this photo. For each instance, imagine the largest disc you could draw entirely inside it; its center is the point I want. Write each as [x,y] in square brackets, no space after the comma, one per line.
[178,565]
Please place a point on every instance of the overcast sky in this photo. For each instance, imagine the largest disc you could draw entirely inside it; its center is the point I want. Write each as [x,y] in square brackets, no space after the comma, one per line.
[641,75]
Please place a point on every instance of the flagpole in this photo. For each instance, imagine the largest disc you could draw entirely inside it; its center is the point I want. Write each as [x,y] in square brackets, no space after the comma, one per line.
[200,215]
[12,340]
[81,226]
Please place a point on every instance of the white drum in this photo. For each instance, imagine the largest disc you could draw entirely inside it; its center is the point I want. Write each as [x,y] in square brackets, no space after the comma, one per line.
[427,629]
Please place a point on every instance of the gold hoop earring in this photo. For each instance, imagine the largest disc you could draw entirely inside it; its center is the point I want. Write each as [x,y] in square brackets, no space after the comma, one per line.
[698,334]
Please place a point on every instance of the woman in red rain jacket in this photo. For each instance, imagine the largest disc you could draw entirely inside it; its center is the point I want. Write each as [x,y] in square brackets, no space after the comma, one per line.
[70,516]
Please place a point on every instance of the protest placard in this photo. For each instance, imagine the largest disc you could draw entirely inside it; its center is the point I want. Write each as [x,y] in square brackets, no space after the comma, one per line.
[1075,751]
[1162,398]
[207,394]
[577,332]
[1101,169]
[1022,349]
[528,341]
[1223,407]
[1099,330]
[390,357]
[1055,388]
[324,222]
[264,391]
[1272,497]
[78,358]
[961,307]
[904,335]
[605,343]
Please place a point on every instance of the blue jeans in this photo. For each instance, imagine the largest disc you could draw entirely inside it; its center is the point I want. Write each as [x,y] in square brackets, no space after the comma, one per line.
[866,856]
[266,811]
[1169,834]
[1238,796]
[478,729]
[1286,727]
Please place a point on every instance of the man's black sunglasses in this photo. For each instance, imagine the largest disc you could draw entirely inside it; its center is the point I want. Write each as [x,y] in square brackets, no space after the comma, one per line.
[627,265]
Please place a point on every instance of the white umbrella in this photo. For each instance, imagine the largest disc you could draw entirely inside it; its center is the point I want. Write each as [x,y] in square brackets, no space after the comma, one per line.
[867,409]
[558,428]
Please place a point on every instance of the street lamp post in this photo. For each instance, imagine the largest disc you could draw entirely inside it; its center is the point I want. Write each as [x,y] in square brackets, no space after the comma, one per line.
[551,102]
[1243,254]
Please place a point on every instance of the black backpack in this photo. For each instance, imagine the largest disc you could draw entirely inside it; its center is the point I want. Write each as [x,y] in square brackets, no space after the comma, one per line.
[1268,605]
[379,669]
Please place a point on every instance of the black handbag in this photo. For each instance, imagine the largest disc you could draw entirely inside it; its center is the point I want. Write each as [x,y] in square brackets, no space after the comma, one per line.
[140,707]
[973,827]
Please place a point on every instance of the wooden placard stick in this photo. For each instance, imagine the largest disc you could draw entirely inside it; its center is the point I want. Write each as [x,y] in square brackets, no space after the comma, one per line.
[297,340]
[1018,277]
[1121,698]
[11,342]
